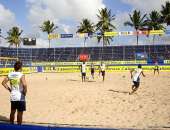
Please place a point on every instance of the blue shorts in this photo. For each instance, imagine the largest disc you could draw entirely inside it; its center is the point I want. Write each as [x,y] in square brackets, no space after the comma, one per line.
[18,105]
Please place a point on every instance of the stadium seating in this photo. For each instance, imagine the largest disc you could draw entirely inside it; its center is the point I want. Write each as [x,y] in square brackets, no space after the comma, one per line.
[119,53]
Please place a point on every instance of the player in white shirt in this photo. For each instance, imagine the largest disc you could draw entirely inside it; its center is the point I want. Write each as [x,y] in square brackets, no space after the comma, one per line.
[18,90]
[135,75]
[103,68]
[83,72]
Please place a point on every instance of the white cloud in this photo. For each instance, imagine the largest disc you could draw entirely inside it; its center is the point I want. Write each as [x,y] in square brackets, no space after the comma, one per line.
[3,42]
[7,18]
[145,5]
[41,43]
[120,18]
[59,12]
[40,10]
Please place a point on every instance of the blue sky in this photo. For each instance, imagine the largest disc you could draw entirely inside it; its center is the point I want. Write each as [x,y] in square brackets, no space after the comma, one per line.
[29,14]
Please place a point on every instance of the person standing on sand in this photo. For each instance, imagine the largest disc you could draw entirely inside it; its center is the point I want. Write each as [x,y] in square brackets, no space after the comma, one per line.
[103,68]
[99,68]
[156,68]
[83,72]
[18,90]
[92,70]
[136,78]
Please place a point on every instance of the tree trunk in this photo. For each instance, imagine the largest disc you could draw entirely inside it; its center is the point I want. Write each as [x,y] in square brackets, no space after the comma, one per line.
[85,41]
[153,41]
[103,46]
[17,51]
[137,37]
[49,43]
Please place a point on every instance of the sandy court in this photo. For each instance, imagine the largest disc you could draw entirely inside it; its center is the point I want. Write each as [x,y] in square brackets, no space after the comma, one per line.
[63,99]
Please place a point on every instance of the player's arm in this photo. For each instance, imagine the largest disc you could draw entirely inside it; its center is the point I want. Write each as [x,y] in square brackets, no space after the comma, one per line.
[24,85]
[4,83]
[143,74]
[131,71]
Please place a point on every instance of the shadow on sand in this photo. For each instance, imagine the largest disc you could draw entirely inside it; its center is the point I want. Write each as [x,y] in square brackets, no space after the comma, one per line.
[118,91]
[74,80]
[4,119]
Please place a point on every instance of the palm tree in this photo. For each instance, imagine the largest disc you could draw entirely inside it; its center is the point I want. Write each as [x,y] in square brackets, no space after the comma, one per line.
[153,22]
[48,27]
[105,25]
[165,12]
[86,26]
[14,37]
[137,21]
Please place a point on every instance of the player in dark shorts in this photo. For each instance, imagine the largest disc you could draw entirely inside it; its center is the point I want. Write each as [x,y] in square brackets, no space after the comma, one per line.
[103,68]
[156,68]
[135,75]
[92,70]
[83,72]
[103,74]
[18,90]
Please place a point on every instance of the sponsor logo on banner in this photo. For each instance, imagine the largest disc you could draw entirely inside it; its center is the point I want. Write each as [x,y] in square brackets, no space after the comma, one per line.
[66,35]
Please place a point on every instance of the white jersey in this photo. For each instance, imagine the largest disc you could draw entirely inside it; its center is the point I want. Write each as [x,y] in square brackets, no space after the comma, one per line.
[83,68]
[16,86]
[137,74]
[103,67]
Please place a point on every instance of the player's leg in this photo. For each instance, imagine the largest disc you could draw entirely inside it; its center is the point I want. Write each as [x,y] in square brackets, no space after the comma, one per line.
[12,113]
[92,74]
[134,87]
[12,116]
[21,109]
[103,74]
[82,76]
[19,117]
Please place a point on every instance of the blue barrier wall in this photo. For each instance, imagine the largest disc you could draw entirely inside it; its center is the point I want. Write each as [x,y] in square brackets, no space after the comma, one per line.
[4,126]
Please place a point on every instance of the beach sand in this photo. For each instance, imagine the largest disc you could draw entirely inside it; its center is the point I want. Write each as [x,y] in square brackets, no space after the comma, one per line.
[61,98]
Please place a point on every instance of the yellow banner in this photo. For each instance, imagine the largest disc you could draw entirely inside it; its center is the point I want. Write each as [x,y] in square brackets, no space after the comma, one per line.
[72,69]
[53,36]
[109,34]
[88,63]
[156,32]
[6,71]
[127,68]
